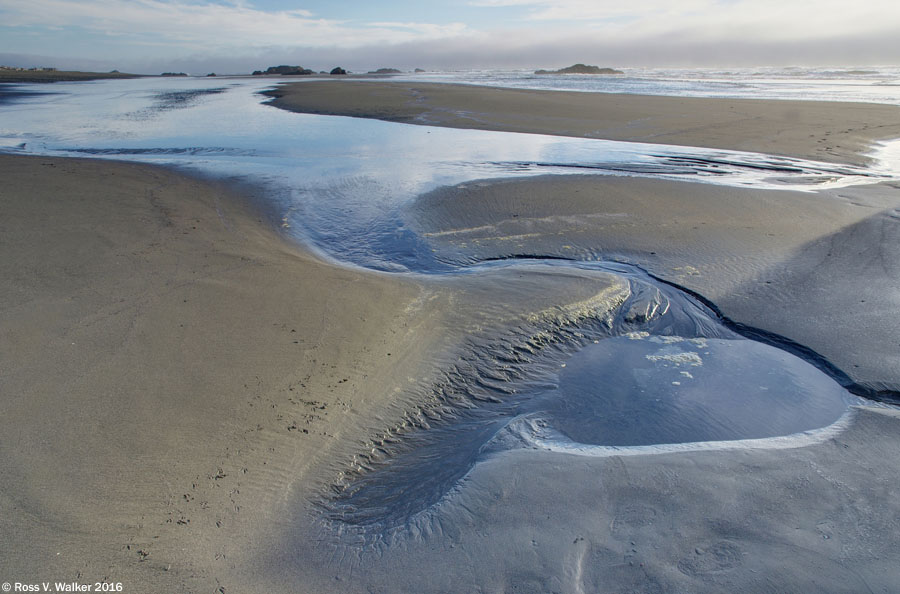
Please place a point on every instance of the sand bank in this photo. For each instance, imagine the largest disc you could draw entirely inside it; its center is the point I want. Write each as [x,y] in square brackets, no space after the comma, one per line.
[171,370]
[832,132]
[817,268]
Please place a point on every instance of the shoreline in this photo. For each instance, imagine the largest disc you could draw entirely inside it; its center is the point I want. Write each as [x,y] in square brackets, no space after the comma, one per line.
[824,131]
[755,248]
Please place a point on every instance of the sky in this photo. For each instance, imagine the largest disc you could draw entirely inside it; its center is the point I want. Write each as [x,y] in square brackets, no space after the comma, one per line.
[236,36]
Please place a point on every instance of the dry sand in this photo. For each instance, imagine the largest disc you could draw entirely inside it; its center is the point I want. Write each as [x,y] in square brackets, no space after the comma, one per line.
[833,132]
[169,369]
[177,380]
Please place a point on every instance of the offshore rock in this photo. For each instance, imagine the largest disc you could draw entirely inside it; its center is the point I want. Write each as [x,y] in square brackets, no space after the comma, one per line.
[581,69]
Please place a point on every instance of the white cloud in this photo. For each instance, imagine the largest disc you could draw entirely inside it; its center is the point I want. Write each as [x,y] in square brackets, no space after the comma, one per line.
[415,31]
[231,35]
[716,19]
[210,25]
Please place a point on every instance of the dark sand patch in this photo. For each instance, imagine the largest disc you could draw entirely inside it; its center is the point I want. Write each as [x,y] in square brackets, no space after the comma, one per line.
[819,517]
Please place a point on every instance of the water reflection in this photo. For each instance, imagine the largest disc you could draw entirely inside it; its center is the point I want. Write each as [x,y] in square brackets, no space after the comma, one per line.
[340,181]
[645,390]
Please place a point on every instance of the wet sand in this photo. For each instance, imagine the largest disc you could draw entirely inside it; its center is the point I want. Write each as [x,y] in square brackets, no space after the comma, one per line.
[820,518]
[824,131]
[816,268]
[180,383]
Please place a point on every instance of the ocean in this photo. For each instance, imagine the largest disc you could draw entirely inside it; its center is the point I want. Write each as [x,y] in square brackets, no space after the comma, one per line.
[869,84]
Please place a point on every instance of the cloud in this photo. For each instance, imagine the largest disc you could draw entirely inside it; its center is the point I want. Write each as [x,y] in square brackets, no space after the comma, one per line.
[211,25]
[749,20]
[234,35]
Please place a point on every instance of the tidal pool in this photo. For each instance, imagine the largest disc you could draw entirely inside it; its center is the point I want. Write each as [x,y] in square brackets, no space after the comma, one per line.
[660,369]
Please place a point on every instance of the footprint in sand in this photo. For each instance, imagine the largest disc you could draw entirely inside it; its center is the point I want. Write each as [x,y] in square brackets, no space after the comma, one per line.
[721,556]
[631,517]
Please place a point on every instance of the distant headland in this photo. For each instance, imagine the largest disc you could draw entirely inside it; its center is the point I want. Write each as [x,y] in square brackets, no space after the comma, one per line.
[12,74]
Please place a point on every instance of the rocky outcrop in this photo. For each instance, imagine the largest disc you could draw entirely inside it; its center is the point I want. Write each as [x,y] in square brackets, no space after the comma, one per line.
[284,70]
[384,71]
[581,69]
[338,70]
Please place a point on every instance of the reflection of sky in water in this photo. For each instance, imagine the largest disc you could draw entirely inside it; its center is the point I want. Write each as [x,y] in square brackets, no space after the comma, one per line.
[341,179]
[625,391]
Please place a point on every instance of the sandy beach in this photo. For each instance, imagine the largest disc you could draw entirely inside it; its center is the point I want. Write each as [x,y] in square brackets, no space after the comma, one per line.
[182,384]
[830,132]
[171,369]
